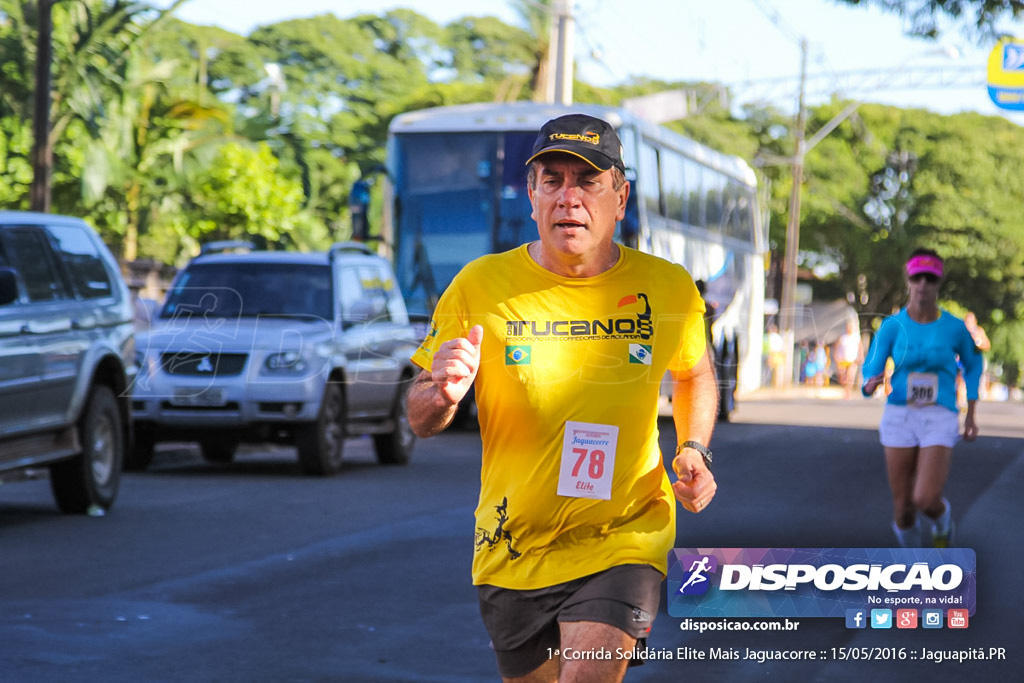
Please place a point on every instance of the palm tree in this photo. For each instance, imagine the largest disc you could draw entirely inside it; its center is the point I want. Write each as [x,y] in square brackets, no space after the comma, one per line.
[89,40]
[538,17]
[137,156]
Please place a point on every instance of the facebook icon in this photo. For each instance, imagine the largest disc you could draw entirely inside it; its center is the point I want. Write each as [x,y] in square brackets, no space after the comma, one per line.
[856,618]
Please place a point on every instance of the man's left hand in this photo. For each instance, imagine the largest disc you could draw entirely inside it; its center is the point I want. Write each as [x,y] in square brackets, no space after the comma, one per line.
[696,485]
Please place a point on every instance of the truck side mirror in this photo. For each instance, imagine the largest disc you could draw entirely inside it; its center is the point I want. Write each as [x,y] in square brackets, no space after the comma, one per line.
[358,205]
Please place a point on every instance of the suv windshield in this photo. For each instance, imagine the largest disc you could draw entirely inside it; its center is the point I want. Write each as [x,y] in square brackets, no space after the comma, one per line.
[229,290]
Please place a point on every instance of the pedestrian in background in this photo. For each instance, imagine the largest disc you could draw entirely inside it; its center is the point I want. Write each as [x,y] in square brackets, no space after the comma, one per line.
[920,424]
[775,353]
[142,309]
[565,340]
[849,353]
[981,341]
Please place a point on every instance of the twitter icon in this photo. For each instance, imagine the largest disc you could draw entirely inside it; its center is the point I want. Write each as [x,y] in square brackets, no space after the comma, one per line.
[881,618]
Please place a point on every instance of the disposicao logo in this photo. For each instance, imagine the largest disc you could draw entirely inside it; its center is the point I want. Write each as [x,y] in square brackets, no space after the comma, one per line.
[818,582]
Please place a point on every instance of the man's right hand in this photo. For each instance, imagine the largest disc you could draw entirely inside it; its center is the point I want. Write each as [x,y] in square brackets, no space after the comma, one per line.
[435,394]
[455,365]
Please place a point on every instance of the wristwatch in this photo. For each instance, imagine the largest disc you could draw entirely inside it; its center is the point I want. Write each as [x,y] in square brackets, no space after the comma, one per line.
[699,447]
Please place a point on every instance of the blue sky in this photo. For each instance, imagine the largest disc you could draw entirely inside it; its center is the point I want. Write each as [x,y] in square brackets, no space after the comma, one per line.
[744,43]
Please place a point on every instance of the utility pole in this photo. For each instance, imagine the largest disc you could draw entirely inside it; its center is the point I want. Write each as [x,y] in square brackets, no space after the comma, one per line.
[42,153]
[562,46]
[787,308]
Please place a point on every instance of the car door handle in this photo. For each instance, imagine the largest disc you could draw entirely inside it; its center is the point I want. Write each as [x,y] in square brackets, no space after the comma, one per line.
[44,328]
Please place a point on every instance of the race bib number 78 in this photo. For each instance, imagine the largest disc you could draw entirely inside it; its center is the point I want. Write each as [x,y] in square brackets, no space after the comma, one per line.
[588,460]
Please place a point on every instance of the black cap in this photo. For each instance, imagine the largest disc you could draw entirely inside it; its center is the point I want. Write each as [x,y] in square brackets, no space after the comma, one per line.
[586,137]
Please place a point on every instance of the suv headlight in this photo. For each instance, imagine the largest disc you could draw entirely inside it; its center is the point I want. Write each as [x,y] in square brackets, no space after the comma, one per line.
[287,362]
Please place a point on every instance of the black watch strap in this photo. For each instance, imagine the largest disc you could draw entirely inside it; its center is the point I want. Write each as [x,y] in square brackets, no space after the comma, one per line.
[700,448]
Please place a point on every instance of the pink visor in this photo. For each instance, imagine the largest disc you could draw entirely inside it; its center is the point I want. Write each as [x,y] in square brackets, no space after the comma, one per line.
[924,264]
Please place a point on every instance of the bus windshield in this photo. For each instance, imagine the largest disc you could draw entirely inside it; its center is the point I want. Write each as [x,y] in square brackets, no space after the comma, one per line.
[458,196]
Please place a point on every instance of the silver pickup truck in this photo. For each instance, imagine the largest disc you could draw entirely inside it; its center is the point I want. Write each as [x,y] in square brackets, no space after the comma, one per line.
[66,358]
[272,346]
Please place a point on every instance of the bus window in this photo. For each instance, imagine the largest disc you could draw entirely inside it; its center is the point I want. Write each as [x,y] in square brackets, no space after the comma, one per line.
[694,194]
[714,198]
[672,185]
[650,187]
[738,220]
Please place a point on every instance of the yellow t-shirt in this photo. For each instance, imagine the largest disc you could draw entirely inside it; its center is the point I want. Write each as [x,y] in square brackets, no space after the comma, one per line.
[590,352]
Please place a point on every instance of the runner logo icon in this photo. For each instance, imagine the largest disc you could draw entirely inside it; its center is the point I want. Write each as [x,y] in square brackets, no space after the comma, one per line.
[695,581]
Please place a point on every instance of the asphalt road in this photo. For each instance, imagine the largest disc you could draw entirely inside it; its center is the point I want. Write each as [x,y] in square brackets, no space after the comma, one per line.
[252,572]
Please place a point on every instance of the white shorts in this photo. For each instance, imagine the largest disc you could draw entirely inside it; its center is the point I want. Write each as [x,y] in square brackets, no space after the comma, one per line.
[906,427]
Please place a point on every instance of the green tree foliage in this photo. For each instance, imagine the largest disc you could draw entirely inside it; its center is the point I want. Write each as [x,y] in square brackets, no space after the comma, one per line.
[924,16]
[91,40]
[537,15]
[137,158]
[889,180]
[239,195]
[892,180]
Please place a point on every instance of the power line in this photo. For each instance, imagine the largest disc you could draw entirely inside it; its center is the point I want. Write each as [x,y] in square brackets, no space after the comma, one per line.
[858,83]
[775,17]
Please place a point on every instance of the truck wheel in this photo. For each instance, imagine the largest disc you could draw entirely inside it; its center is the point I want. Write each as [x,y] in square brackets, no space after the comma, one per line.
[395,448]
[320,443]
[90,480]
[219,451]
[141,454]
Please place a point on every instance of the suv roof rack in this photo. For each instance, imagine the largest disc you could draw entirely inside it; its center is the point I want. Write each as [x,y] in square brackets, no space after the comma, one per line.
[226,246]
[357,247]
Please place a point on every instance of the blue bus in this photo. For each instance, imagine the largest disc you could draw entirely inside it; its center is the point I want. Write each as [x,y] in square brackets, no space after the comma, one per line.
[456,189]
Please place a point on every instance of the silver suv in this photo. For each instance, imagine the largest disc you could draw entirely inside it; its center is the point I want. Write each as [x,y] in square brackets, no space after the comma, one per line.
[66,358]
[303,348]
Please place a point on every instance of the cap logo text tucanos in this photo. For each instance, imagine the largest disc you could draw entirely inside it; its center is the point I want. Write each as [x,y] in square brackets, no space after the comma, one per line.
[588,137]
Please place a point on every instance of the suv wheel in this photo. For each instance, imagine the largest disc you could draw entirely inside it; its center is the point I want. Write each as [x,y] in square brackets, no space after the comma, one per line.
[320,444]
[395,448]
[218,450]
[141,454]
[92,478]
